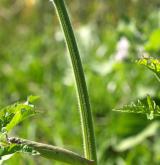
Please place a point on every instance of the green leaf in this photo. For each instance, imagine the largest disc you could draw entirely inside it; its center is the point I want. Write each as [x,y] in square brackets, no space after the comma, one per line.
[4,158]
[147,107]
[12,115]
[13,148]
[152,64]
[23,111]
[154,41]
[10,149]
[31,99]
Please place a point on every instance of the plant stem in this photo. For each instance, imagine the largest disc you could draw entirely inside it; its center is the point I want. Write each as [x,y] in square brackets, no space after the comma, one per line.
[52,152]
[83,98]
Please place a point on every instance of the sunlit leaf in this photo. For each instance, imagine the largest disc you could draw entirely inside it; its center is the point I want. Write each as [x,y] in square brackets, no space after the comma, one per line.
[4,158]
[13,148]
[147,107]
[23,111]
[31,99]
[10,149]
[152,64]
[12,115]
[3,139]
[154,41]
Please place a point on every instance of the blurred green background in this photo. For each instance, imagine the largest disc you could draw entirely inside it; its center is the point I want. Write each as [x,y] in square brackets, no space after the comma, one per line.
[110,35]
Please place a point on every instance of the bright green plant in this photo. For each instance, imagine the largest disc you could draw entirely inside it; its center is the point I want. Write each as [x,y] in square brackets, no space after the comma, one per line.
[152,64]
[14,114]
[147,106]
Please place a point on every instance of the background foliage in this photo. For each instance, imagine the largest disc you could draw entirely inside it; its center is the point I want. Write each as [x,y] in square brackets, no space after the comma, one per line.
[111,35]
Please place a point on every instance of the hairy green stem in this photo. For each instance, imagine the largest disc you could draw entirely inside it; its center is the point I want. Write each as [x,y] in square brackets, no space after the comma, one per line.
[53,152]
[83,98]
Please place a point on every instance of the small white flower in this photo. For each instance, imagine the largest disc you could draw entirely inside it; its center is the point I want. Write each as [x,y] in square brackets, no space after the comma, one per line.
[122,49]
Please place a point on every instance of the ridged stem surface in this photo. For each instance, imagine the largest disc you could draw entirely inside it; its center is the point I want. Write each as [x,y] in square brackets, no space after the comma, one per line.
[83,98]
